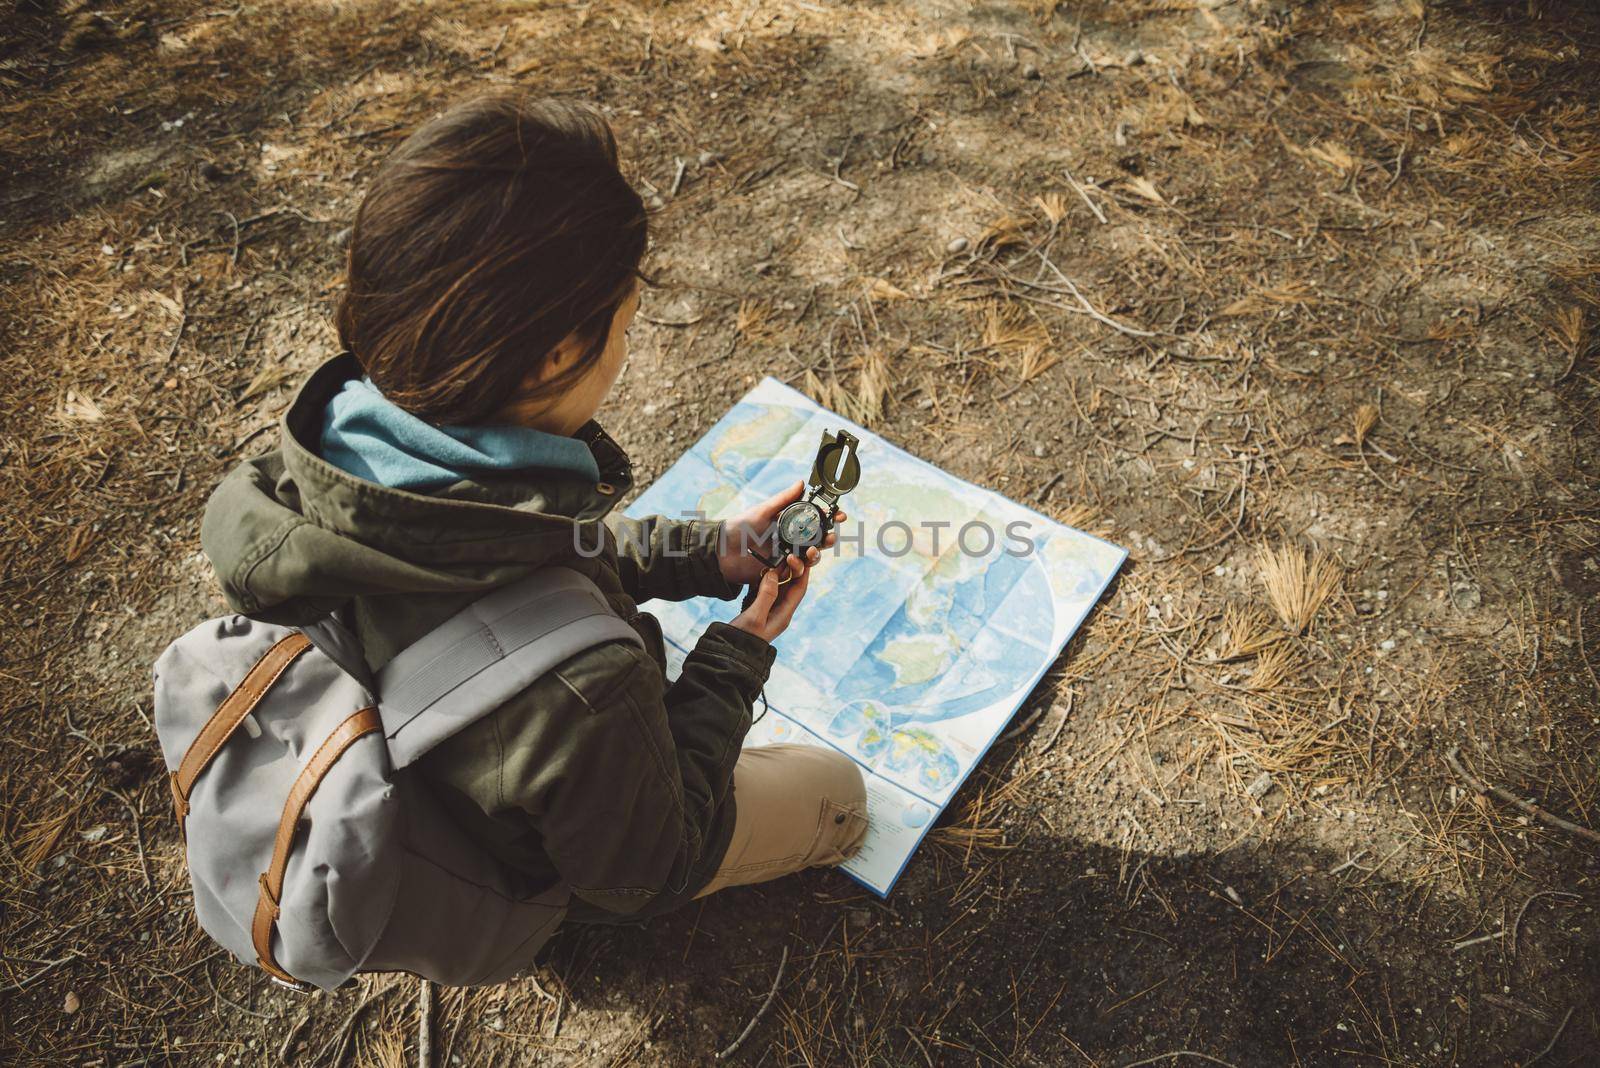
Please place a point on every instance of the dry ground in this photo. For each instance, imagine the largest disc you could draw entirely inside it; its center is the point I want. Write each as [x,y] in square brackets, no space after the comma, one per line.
[1297,301]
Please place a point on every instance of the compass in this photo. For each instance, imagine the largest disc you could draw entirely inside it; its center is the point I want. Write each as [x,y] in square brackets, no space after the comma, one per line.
[805,523]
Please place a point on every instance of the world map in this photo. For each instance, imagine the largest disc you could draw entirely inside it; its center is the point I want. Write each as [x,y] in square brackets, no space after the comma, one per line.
[923,630]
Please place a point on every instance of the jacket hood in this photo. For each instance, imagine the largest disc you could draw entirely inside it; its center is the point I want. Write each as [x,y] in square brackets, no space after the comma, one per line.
[292,537]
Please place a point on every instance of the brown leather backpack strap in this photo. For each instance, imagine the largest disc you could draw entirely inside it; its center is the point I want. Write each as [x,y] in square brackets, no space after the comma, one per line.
[226,719]
[322,761]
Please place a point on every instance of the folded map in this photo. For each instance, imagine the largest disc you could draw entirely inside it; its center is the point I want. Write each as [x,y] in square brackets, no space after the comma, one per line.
[923,630]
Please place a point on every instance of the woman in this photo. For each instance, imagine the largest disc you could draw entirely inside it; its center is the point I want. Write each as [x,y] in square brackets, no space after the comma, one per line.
[451,449]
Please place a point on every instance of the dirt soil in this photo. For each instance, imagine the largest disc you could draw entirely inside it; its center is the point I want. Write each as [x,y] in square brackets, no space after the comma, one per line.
[1296,301]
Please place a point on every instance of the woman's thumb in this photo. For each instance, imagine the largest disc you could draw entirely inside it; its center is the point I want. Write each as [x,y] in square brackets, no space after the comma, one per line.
[766,593]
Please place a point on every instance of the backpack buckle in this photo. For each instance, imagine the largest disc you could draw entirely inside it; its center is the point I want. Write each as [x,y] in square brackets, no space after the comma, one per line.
[291,984]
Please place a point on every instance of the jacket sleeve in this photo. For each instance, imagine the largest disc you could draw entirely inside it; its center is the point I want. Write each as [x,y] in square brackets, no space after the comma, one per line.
[669,559]
[621,779]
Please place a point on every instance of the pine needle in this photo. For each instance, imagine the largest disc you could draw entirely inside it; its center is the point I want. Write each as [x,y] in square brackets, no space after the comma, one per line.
[1248,631]
[1275,667]
[1365,418]
[1298,581]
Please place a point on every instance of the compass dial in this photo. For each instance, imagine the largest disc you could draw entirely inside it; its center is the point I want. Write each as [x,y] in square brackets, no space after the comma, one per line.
[801,525]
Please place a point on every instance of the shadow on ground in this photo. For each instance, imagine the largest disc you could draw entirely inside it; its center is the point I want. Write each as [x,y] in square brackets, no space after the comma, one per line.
[1066,953]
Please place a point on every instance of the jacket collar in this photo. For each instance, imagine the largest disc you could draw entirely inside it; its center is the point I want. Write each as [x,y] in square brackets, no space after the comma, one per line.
[511,504]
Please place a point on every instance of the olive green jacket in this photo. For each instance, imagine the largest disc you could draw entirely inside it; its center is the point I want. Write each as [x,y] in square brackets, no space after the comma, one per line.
[599,775]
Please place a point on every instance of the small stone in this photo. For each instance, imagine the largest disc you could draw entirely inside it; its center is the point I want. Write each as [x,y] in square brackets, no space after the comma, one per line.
[1133,58]
[957,245]
[1260,787]
[71,1003]
[1387,645]
[1030,72]
[1038,451]
[705,159]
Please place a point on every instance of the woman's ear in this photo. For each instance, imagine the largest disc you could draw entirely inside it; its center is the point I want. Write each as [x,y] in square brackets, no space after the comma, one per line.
[522,408]
[559,361]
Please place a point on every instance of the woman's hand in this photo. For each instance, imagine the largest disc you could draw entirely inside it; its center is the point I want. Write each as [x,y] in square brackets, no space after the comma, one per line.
[769,614]
[754,528]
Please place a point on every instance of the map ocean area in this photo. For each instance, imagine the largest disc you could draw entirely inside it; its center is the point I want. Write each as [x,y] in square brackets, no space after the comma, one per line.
[924,628]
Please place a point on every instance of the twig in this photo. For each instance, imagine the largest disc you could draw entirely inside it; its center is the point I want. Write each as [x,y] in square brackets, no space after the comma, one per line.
[1584,653]
[361,135]
[1024,725]
[762,1011]
[233,257]
[1548,1046]
[1094,313]
[669,322]
[924,1050]
[1066,714]
[538,988]
[1175,1054]
[1516,924]
[837,163]
[1077,46]
[1516,802]
[1349,863]
[1084,196]
[1466,942]
[425,1025]
[27,981]
[293,1036]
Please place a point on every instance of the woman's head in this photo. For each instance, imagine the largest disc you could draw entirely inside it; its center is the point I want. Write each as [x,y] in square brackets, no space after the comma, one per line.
[489,262]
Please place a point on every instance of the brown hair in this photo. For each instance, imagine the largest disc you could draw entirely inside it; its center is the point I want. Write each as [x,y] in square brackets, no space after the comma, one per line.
[496,230]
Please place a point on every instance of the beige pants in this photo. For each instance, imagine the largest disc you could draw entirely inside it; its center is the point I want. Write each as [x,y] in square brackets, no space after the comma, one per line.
[796,806]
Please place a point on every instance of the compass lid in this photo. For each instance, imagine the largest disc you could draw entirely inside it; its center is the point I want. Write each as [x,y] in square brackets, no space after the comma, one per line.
[837,469]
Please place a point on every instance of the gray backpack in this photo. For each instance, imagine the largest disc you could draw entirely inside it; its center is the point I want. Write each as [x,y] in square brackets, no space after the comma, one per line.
[313,852]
